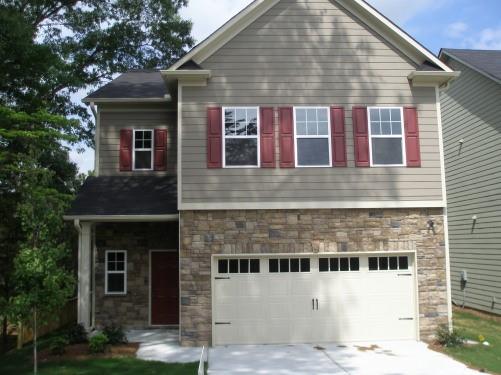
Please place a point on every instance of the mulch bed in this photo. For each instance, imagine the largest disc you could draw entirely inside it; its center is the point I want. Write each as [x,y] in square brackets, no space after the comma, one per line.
[81,352]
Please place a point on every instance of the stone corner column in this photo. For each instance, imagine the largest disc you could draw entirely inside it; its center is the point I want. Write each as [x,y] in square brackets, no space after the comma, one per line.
[84,274]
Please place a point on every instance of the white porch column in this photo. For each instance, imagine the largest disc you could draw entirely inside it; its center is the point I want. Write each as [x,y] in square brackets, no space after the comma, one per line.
[84,273]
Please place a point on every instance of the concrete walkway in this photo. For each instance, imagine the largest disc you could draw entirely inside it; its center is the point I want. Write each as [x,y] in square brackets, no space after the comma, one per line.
[389,358]
[162,345]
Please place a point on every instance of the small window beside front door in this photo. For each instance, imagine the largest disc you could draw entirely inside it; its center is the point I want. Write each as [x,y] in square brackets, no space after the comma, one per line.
[116,272]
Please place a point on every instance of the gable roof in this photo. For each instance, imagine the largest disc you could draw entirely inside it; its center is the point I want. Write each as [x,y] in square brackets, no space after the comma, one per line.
[485,62]
[359,8]
[135,85]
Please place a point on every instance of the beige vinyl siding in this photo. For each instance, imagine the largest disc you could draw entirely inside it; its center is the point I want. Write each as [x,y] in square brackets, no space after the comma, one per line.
[307,54]
[471,112]
[114,118]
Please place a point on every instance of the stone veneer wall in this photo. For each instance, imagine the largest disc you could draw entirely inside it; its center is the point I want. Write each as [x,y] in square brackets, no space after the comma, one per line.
[204,233]
[130,311]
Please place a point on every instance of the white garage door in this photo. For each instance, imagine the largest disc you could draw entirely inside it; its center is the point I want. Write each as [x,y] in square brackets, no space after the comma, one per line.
[309,299]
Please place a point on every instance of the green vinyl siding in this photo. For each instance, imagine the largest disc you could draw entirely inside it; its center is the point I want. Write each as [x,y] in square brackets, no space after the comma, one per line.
[471,111]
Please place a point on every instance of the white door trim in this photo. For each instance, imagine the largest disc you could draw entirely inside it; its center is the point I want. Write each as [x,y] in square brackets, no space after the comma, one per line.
[149,282]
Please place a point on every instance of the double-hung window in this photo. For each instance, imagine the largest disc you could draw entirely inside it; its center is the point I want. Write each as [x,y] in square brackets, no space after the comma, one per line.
[387,146]
[312,136]
[116,272]
[241,137]
[143,150]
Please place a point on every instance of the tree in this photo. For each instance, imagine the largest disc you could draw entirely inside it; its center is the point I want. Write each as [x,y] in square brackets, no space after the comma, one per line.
[42,281]
[49,50]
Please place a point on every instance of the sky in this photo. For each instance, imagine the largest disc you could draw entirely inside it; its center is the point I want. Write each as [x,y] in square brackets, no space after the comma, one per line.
[434,23]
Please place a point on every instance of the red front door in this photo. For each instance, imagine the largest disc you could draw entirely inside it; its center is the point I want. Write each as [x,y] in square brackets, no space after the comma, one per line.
[164,288]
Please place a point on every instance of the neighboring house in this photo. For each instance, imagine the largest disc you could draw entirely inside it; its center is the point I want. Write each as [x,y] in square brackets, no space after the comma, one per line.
[283,182]
[471,112]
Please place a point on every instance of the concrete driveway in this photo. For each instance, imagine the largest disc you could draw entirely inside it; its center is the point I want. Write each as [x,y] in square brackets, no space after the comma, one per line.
[388,358]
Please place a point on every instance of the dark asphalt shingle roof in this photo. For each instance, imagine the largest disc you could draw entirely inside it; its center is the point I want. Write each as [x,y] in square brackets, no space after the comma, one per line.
[118,195]
[488,62]
[136,84]
[429,66]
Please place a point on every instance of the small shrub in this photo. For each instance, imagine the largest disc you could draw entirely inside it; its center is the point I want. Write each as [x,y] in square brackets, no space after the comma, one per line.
[451,339]
[115,335]
[98,343]
[76,334]
[58,345]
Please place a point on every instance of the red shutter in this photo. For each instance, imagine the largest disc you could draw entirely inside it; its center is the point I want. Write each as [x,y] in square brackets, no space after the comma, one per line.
[286,137]
[267,138]
[214,137]
[361,136]
[160,157]
[125,150]
[412,147]
[338,137]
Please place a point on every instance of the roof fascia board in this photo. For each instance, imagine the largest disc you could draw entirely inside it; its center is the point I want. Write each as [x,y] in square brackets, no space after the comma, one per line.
[122,218]
[186,74]
[127,100]
[391,32]
[227,32]
[468,65]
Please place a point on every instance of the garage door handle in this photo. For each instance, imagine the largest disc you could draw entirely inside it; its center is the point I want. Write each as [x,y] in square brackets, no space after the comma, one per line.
[317,304]
[405,274]
[222,323]
[406,319]
[222,278]
[313,303]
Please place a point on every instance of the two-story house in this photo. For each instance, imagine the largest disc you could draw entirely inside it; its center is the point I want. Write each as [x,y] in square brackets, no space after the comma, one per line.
[283,182]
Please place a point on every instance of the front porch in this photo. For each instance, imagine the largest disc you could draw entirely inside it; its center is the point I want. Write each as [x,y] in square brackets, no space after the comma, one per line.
[128,252]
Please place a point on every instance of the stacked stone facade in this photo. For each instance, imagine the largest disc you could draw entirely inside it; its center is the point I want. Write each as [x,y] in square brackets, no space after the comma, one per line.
[206,233]
[132,310]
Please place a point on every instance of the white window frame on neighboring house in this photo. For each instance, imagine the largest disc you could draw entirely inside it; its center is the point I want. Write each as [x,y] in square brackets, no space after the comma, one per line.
[134,149]
[387,136]
[297,137]
[257,137]
[114,272]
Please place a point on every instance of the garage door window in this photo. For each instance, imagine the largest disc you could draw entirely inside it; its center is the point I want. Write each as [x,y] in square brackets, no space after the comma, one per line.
[388,263]
[238,266]
[286,265]
[339,264]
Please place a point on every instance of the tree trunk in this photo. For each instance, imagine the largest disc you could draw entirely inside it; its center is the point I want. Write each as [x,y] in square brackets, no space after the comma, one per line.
[35,362]
[5,340]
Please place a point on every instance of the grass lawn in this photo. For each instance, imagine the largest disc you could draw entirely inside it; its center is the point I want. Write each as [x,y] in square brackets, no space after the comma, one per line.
[21,363]
[471,325]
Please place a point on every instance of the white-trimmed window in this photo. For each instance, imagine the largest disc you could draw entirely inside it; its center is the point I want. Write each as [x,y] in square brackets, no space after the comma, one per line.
[386,132]
[143,150]
[312,132]
[241,137]
[116,272]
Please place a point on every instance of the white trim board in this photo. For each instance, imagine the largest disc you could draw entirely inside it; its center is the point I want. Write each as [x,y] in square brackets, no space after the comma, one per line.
[122,218]
[367,14]
[294,205]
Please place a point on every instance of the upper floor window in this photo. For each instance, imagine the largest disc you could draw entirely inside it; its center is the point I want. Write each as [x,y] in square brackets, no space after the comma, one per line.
[312,135]
[241,137]
[387,146]
[143,150]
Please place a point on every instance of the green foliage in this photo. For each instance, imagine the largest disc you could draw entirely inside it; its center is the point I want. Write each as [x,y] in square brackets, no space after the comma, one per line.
[98,343]
[76,334]
[58,344]
[450,339]
[115,335]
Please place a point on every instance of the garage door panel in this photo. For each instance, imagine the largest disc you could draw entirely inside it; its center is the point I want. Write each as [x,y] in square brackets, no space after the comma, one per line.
[314,306]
